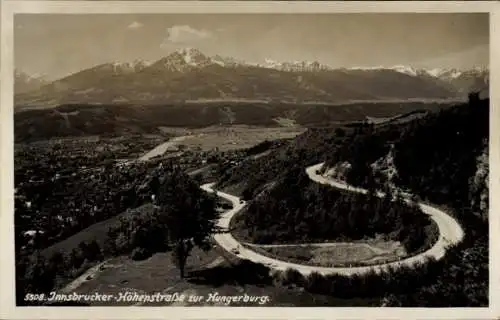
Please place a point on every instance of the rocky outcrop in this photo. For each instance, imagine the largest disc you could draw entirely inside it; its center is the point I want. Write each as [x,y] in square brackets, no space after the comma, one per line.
[479,188]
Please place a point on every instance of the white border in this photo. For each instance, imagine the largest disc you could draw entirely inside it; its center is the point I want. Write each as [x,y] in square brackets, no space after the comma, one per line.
[7,299]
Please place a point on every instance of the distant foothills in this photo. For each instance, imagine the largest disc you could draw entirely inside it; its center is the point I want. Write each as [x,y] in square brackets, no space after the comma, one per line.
[188,75]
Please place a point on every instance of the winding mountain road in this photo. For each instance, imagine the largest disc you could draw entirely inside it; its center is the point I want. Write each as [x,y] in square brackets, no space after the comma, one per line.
[450,232]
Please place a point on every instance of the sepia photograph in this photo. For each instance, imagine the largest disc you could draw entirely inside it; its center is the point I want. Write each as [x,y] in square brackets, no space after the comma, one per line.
[331,159]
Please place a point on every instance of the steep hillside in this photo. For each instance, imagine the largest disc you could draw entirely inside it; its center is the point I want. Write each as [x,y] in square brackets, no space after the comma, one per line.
[479,190]
[435,156]
[329,142]
[470,80]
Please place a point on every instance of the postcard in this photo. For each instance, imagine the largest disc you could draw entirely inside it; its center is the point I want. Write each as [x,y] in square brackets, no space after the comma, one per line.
[249,160]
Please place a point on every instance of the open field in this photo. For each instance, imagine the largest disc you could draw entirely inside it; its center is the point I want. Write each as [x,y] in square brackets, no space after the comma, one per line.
[335,254]
[231,137]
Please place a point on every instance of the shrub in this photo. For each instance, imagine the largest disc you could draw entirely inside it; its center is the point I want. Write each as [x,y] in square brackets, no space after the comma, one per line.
[140,254]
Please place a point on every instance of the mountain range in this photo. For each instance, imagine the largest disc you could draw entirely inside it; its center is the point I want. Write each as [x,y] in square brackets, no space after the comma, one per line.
[25,82]
[188,75]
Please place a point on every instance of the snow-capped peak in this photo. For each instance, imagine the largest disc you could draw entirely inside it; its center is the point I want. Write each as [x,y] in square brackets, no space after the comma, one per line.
[436,72]
[441,73]
[226,61]
[406,70]
[271,64]
[141,63]
[24,82]
[133,64]
[29,77]
[398,68]
[184,58]
[125,67]
[293,65]
[192,56]
[444,73]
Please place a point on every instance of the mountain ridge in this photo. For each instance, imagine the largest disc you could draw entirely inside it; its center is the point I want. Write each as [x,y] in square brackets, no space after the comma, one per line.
[189,74]
[24,82]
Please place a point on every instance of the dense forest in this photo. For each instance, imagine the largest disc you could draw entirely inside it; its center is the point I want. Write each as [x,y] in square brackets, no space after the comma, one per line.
[435,156]
[297,210]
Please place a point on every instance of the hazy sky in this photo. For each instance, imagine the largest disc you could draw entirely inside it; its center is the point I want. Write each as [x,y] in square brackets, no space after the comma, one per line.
[57,45]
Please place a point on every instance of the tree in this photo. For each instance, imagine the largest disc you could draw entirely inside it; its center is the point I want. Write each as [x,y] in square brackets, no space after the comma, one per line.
[473,97]
[247,194]
[340,132]
[198,178]
[390,300]
[39,277]
[76,258]
[181,252]
[189,214]
[56,261]
[93,252]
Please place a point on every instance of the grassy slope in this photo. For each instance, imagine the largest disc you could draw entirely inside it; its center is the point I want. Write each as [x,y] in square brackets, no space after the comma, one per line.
[96,232]
[158,274]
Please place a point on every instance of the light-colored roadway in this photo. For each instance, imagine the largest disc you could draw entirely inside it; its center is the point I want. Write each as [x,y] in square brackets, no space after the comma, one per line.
[450,233]
[162,148]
